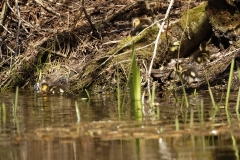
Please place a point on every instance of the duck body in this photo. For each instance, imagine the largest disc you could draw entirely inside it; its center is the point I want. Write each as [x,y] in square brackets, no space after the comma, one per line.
[54,89]
[202,56]
[47,86]
[186,73]
[139,24]
[57,89]
[190,75]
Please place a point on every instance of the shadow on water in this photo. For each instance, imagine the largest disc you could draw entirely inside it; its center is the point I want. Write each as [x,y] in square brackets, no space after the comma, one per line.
[46,128]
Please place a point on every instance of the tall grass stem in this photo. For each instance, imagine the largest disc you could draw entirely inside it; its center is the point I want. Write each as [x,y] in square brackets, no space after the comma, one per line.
[229,84]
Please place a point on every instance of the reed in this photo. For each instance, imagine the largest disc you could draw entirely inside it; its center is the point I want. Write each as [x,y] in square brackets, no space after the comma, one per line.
[235,146]
[118,88]
[229,84]
[238,97]
[135,79]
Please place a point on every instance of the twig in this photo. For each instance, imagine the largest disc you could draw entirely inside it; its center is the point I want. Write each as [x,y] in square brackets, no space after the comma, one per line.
[3,13]
[95,30]
[47,8]
[18,29]
[156,45]
[150,11]
[15,14]
[76,19]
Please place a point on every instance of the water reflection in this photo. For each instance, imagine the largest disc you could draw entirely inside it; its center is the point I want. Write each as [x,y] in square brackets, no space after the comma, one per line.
[46,128]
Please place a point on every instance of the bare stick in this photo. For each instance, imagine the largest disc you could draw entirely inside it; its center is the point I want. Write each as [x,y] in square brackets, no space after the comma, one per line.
[95,30]
[18,28]
[46,7]
[156,44]
[3,13]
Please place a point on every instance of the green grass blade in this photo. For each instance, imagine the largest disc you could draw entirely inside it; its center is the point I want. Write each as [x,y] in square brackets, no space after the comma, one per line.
[184,92]
[135,79]
[88,95]
[229,84]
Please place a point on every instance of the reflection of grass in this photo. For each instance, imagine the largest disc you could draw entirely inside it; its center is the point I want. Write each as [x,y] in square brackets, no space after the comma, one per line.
[16,101]
[15,110]
[77,111]
[177,124]
[4,116]
[153,94]
[191,118]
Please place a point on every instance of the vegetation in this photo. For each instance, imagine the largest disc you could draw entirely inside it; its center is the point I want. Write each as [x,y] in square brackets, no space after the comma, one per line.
[162,64]
[71,53]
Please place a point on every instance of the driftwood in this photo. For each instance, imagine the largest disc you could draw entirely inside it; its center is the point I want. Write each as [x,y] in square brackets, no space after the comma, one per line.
[209,72]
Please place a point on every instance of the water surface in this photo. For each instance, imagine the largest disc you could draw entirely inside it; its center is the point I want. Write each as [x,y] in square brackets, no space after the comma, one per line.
[47,127]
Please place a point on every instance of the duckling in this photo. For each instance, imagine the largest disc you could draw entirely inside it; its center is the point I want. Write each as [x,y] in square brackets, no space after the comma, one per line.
[202,56]
[187,74]
[190,75]
[178,68]
[44,88]
[55,89]
[139,24]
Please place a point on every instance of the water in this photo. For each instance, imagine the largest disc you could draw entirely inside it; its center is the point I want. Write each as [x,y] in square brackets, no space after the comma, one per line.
[47,128]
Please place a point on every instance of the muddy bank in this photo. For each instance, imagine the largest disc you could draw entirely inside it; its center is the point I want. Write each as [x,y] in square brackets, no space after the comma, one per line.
[59,39]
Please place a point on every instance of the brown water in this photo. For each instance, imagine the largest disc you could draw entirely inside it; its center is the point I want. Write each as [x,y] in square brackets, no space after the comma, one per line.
[47,128]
